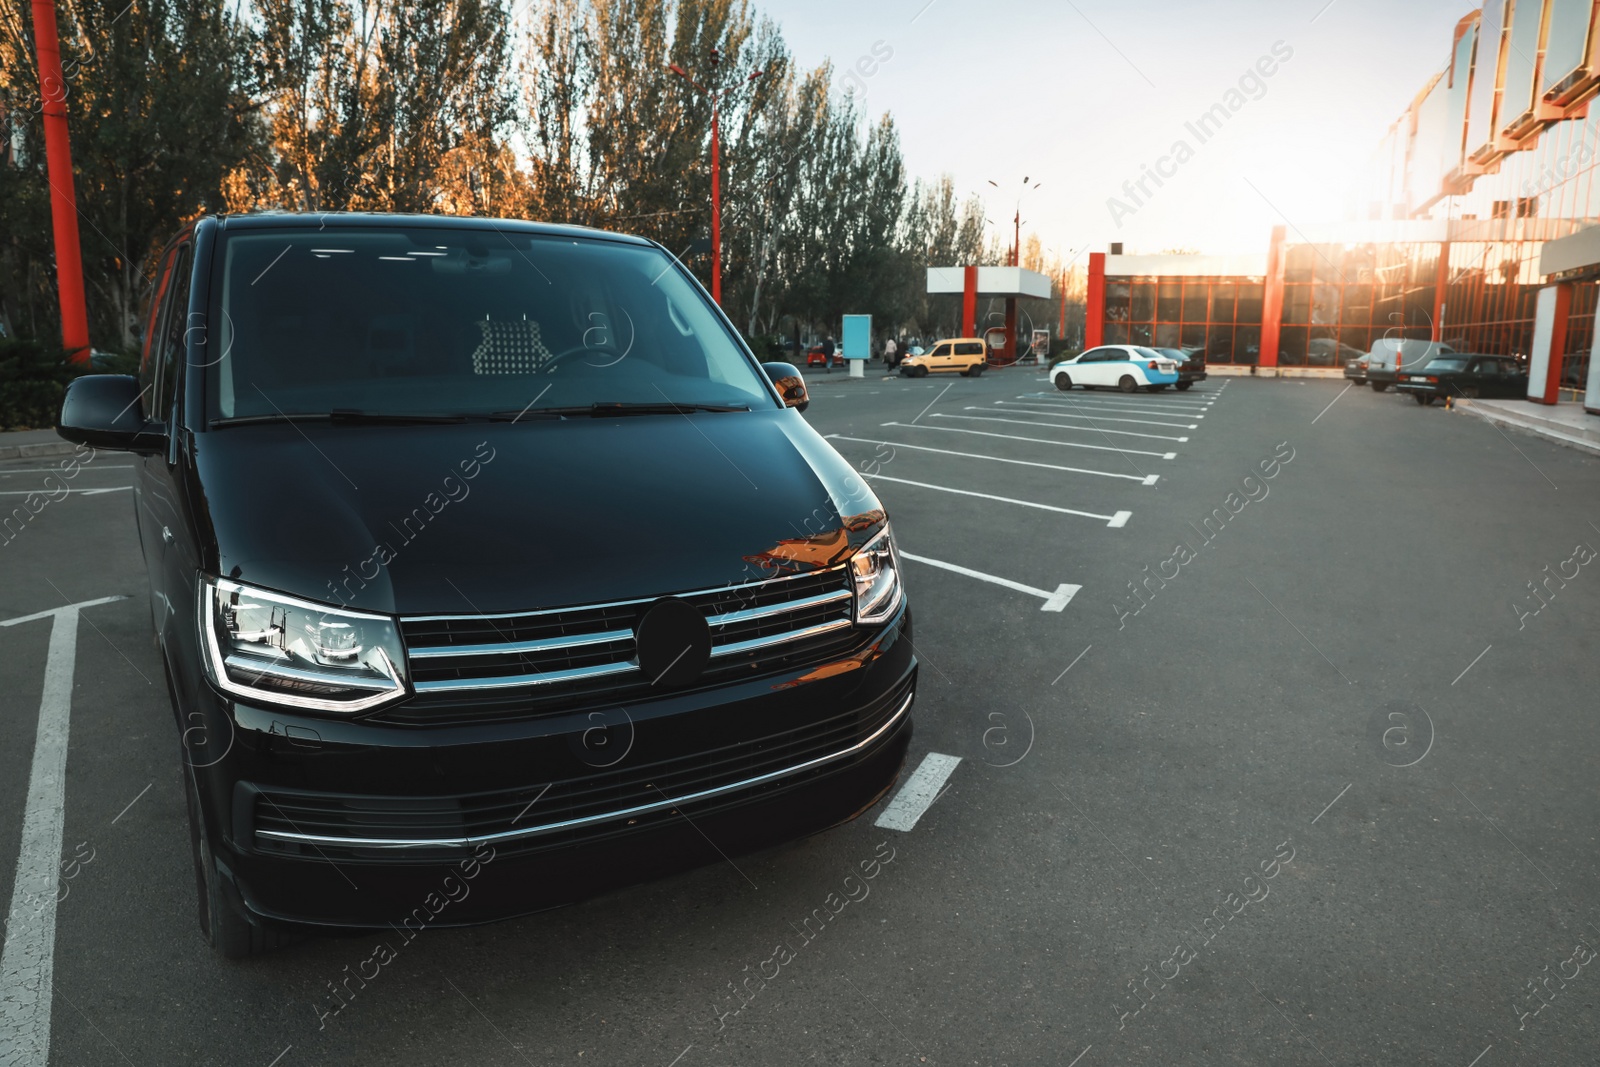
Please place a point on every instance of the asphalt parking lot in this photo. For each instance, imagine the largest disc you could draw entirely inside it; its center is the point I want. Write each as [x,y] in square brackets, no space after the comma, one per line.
[1267,712]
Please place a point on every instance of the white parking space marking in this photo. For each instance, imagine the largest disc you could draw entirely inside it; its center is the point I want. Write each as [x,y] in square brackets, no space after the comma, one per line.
[1035,440]
[1092,418]
[27,964]
[1119,398]
[1056,601]
[1100,407]
[1118,520]
[1147,480]
[57,470]
[79,492]
[1051,426]
[919,792]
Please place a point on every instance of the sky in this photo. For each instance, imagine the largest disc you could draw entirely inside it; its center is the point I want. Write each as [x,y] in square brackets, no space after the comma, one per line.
[1082,96]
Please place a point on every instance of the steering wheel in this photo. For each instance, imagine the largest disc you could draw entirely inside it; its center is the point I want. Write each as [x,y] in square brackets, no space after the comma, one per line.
[608,349]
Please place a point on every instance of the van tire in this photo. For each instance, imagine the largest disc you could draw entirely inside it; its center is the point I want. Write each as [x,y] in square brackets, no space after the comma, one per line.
[222,924]
[1127,384]
[920,372]
[1064,382]
[1378,387]
[976,370]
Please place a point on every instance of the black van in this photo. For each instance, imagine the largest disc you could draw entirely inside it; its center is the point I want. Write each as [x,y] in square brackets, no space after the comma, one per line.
[490,571]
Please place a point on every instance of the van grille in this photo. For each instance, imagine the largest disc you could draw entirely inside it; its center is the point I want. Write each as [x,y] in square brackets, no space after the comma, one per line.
[475,668]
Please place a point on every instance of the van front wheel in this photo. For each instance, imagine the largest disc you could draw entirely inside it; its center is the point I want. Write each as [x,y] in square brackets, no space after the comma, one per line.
[1378,387]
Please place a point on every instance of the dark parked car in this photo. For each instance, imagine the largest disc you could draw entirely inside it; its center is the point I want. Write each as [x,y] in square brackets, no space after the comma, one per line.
[1191,364]
[1356,370]
[1390,356]
[458,571]
[1465,374]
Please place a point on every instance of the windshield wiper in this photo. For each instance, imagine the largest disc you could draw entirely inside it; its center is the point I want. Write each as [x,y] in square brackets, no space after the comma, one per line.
[275,416]
[602,409]
[395,417]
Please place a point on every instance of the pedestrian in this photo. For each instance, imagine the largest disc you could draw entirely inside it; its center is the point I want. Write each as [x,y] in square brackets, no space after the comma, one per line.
[889,351]
[828,350]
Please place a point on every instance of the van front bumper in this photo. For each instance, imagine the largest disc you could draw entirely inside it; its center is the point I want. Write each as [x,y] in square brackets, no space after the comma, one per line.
[329,823]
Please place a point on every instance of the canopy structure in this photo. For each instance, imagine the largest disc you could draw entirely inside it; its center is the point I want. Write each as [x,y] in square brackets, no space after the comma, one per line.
[1007,283]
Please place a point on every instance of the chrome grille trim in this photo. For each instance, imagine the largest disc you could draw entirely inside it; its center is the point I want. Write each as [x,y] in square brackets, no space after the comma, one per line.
[561,650]
[779,609]
[765,583]
[548,644]
[736,647]
[568,824]
[515,680]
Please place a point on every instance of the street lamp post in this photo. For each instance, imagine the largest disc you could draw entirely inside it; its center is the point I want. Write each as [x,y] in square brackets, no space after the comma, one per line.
[716,94]
[1016,261]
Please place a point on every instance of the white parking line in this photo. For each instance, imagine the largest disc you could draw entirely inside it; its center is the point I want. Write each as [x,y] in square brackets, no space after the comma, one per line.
[27,964]
[1035,440]
[1095,418]
[1100,407]
[57,470]
[1056,601]
[1169,400]
[80,492]
[1120,519]
[1149,479]
[919,792]
[1046,425]
[1080,398]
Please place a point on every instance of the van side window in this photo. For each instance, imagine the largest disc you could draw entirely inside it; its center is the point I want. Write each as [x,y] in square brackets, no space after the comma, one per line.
[971,348]
[169,343]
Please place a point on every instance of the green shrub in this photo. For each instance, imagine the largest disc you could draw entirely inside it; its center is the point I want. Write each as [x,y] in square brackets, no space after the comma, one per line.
[34,376]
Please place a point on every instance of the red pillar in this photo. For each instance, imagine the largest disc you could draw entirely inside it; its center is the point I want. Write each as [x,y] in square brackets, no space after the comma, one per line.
[1441,286]
[1094,327]
[1272,299]
[1011,329]
[969,303]
[63,199]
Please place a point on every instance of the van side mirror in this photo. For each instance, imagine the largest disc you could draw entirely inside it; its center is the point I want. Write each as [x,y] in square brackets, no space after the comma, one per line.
[791,386]
[104,411]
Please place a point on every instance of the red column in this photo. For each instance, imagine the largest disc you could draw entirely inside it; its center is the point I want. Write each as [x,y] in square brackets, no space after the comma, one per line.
[969,303]
[1441,286]
[1011,329]
[63,199]
[1272,299]
[1094,327]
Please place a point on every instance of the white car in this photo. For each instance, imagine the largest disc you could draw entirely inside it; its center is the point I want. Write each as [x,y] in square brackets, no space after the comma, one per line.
[1125,367]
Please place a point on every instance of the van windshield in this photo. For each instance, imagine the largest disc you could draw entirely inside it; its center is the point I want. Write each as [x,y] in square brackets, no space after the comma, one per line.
[466,322]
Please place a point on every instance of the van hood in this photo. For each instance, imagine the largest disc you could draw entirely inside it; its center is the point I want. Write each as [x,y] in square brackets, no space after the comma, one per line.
[485,518]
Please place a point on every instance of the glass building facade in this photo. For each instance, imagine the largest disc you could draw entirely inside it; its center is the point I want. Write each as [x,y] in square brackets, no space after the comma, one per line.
[1493,166]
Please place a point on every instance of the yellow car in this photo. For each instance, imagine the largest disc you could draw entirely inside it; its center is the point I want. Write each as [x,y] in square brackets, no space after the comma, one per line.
[968,355]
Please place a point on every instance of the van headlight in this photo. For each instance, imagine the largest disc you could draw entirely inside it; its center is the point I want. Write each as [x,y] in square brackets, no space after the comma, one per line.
[274,649]
[875,572]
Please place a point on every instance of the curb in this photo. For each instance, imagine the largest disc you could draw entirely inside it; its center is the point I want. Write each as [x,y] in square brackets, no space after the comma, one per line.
[1532,424]
[45,448]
